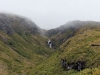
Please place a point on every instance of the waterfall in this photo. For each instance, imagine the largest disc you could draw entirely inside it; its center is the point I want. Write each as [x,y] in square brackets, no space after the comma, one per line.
[50,43]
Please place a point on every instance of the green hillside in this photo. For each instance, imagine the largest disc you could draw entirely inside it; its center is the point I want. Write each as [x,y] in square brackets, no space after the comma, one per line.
[24,48]
[77,48]
[21,53]
[22,45]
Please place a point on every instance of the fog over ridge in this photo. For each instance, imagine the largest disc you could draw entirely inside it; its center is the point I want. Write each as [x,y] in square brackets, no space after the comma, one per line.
[49,14]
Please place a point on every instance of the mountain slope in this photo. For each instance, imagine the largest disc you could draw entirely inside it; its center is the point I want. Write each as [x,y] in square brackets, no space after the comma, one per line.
[83,46]
[22,45]
[24,49]
[12,23]
[62,33]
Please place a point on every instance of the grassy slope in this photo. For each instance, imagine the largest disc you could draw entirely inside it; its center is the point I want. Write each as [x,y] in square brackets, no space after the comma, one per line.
[76,48]
[20,53]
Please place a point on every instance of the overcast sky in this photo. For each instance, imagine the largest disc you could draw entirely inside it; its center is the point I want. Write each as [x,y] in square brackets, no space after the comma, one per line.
[49,14]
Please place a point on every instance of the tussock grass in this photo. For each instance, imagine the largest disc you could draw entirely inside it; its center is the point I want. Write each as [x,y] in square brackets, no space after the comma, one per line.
[74,49]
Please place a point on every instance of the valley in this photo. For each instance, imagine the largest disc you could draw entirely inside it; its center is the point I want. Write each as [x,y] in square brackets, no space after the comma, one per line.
[25,50]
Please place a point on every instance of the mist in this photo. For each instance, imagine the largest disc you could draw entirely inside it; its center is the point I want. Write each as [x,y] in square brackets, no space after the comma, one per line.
[49,14]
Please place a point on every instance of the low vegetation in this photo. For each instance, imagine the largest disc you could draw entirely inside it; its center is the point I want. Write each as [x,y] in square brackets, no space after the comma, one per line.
[24,48]
[76,48]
